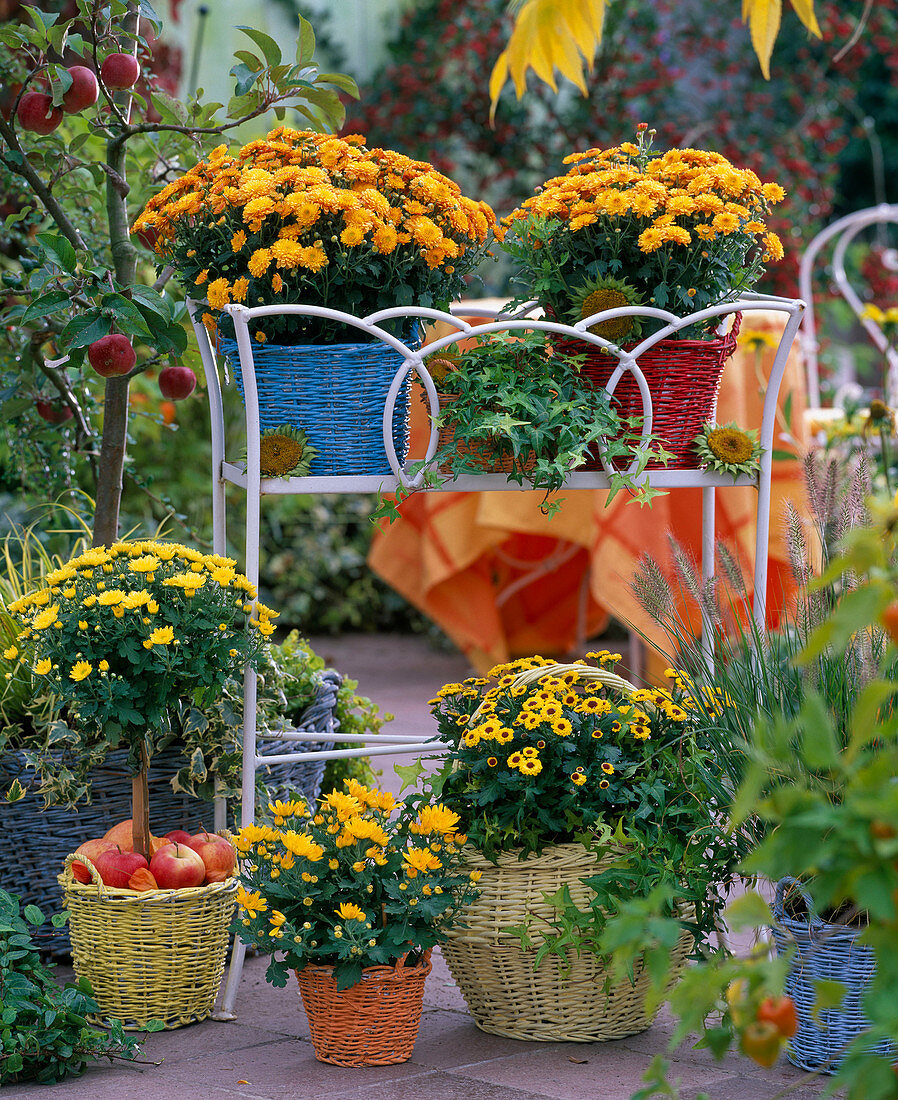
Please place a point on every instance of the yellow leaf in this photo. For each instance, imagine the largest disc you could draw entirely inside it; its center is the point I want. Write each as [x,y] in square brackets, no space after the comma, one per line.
[497,81]
[764,25]
[549,35]
[804,9]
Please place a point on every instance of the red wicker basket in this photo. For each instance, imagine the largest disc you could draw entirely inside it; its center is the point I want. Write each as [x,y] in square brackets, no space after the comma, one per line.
[372,1023]
[683,377]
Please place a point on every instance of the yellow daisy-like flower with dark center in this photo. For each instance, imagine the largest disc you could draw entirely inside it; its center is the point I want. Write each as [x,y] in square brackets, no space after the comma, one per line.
[606,292]
[285,452]
[728,449]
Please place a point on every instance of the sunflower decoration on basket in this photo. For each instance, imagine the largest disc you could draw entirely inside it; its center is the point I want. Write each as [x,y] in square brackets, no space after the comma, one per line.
[285,452]
[578,792]
[729,449]
[352,896]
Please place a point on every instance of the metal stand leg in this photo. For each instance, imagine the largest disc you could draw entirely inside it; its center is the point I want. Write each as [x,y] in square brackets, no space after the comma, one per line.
[225,1011]
[708,552]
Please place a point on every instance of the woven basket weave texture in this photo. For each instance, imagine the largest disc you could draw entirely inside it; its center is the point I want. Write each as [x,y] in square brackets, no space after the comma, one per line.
[158,955]
[372,1023]
[336,393]
[552,1003]
[683,377]
[40,838]
[823,952]
[488,461]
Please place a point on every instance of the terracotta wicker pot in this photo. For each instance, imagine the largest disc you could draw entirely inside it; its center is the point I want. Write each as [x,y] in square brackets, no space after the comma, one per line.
[372,1023]
[487,460]
[554,1002]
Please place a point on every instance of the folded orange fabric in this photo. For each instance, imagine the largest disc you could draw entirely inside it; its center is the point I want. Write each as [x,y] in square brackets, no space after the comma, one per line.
[502,580]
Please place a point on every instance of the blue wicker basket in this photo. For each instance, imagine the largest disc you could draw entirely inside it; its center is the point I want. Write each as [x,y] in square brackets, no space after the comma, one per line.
[336,393]
[823,952]
[37,839]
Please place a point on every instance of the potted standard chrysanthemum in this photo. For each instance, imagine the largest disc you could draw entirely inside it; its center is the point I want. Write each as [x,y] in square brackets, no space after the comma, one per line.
[312,220]
[630,226]
[123,637]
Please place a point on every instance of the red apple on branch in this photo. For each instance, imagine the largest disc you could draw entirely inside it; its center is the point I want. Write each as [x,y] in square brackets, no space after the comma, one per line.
[116,866]
[37,113]
[176,383]
[217,853]
[54,412]
[176,867]
[112,355]
[83,91]
[120,70]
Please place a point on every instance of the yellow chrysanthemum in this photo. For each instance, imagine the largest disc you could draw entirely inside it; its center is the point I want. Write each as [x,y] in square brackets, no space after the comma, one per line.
[348,911]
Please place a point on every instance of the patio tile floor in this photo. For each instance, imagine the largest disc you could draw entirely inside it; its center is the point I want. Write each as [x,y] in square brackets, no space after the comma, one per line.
[266,1053]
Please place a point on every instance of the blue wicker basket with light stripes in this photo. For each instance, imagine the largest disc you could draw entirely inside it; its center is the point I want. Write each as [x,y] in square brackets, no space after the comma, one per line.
[336,393]
[823,952]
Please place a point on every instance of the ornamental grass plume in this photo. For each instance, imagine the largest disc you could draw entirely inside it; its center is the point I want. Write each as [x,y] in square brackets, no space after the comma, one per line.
[302,217]
[358,881]
[678,230]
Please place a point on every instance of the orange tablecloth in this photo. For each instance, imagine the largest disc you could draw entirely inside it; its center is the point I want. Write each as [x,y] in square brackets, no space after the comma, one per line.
[503,581]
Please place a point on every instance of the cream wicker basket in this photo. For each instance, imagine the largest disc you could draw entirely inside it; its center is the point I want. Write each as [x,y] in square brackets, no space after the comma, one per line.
[559,1000]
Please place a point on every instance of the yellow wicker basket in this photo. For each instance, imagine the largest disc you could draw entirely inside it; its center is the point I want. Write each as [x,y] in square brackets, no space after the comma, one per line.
[157,955]
[560,1000]
[557,1001]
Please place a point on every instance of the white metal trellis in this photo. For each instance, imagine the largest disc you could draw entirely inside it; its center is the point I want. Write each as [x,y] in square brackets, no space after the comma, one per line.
[249,478]
[843,232]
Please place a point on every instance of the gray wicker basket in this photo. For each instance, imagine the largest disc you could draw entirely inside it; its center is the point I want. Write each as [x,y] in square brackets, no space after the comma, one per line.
[37,840]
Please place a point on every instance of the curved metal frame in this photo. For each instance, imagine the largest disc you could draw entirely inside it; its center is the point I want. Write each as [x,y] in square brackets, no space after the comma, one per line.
[255,486]
[844,231]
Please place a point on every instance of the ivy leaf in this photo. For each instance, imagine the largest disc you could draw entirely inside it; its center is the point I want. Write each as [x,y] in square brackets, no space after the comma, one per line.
[16,792]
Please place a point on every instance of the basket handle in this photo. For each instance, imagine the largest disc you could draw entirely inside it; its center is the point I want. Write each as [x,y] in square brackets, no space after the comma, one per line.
[779,911]
[91,870]
[586,672]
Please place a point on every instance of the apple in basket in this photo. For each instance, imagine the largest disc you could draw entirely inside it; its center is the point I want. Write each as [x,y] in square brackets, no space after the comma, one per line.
[177,867]
[116,866]
[179,836]
[218,855]
[123,835]
[92,849]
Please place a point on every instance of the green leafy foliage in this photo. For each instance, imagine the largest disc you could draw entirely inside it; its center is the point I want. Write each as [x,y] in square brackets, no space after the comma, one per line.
[509,398]
[44,1032]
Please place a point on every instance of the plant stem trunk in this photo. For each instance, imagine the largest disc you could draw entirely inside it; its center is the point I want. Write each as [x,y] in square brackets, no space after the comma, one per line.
[140,807]
[124,261]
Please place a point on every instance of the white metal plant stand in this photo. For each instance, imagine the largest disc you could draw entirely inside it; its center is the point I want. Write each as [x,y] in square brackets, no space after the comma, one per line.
[843,231]
[411,476]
